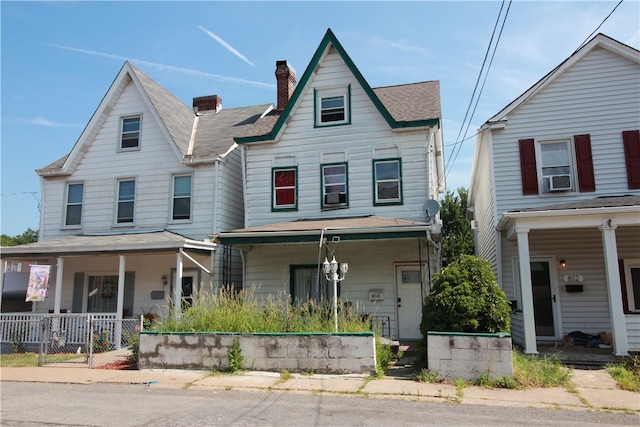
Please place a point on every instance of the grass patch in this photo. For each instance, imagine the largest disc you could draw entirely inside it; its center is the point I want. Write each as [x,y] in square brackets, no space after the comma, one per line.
[532,371]
[23,360]
[627,373]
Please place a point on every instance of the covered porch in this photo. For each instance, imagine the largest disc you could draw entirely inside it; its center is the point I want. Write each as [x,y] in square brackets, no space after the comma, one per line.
[587,250]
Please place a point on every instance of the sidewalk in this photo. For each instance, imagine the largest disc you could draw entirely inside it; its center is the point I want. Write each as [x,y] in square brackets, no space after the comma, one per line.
[594,389]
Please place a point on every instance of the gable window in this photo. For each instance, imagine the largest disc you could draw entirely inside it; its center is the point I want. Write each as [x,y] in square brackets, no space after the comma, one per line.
[334,185]
[126,200]
[181,207]
[387,181]
[332,106]
[73,213]
[130,136]
[285,190]
[553,166]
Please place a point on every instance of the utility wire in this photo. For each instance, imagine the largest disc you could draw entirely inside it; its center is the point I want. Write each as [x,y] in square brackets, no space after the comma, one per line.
[458,142]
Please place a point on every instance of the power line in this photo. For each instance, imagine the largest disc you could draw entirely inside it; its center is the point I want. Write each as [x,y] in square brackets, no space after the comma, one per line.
[458,143]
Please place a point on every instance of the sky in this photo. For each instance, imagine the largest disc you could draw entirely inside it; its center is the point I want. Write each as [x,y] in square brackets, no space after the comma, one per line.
[58,60]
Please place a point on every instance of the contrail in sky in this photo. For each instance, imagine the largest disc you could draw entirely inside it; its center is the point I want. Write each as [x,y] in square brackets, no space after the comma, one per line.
[227,46]
[191,72]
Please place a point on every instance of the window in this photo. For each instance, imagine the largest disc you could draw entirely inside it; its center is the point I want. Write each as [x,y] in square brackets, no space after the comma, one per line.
[553,166]
[102,294]
[631,142]
[181,208]
[306,288]
[631,286]
[332,107]
[13,266]
[130,138]
[126,198]
[334,185]
[387,181]
[73,215]
[285,192]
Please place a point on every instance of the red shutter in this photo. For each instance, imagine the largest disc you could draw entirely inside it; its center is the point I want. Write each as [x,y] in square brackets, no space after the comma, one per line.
[584,163]
[528,166]
[631,140]
[623,284]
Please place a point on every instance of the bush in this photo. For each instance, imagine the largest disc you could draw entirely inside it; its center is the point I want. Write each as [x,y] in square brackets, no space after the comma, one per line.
[466,298]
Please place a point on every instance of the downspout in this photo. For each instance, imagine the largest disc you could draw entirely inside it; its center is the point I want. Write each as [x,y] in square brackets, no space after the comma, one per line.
[244,185]
[215,272]
[319,258]
[244,268]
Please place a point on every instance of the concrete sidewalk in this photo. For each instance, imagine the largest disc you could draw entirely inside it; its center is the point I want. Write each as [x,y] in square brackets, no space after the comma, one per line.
[592,389]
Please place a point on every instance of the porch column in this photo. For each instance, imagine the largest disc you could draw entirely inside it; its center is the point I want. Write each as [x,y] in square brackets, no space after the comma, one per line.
[618,325]
[177,289]
[58,295]
[120,303]
[524,263]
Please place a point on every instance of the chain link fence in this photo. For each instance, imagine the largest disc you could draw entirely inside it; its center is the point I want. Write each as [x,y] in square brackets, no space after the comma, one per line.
[100,341]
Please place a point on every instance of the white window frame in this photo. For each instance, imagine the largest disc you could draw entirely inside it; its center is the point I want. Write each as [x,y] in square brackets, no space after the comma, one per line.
[376,181]
[344,183]
[323,94]
[543,179]
[628,265]
[119,201]
[174,197]
[123,133]
[67,204]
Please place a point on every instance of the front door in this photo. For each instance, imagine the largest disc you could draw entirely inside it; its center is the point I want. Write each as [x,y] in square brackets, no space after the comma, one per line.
[544,299]
[409,291]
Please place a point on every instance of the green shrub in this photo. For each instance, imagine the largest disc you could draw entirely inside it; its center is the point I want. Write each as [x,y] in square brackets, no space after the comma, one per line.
[466,298]
[534,371]
[627,373]
[235,356]
[384,357]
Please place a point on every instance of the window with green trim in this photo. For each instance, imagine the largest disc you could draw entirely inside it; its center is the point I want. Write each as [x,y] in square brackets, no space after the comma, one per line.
[387,176]
[332,106]
[334,185]
[285,189]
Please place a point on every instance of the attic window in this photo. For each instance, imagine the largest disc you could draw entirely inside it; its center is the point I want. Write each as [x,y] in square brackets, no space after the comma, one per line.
[130,137]
[332,107]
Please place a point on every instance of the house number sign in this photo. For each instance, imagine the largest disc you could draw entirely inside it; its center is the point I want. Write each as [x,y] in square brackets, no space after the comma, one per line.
[573,278]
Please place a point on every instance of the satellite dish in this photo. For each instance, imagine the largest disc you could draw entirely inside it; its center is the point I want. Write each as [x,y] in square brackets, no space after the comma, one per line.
[430,209]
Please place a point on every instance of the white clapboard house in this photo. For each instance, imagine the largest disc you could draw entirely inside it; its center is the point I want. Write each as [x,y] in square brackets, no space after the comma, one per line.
[555,199]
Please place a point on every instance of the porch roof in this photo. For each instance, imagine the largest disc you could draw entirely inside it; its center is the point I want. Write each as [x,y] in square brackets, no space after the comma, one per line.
[368,227]
[156,241]
[615,210]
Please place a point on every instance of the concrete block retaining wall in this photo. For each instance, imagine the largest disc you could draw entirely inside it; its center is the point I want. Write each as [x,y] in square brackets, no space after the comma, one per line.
[319,353]
[469,356]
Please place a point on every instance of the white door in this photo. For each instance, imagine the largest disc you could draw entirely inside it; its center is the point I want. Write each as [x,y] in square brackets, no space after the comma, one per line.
[409,302]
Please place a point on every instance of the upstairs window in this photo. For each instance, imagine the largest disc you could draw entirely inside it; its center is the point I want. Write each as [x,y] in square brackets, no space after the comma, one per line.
[387,182]
[126,201]
[630,281]
[557,166]
[332,107]
[130,136]
[181,208]
[334,185]
[285,189]
[73,214]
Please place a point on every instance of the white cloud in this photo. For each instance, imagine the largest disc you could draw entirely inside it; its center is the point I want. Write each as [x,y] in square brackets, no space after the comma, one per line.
[227,46]
[41,121]
[403,45]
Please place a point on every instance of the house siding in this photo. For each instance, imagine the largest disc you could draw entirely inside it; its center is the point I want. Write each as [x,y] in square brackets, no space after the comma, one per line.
[597,96]
[307,147]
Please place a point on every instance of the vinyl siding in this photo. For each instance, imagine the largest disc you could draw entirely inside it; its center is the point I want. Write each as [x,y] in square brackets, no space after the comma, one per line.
[597,96]
[355,143]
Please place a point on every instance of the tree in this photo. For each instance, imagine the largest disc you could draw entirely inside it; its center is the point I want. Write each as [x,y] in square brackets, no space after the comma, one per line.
[457,236]
[29,236]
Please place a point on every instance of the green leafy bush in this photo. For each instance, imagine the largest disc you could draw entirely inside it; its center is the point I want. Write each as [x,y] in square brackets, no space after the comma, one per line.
[466,298]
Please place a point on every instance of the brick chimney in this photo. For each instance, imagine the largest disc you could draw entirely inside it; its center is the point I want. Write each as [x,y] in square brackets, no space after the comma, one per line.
[207,103]
[286,78]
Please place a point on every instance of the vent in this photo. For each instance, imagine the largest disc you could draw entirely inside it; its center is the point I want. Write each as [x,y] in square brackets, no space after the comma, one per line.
[559,182]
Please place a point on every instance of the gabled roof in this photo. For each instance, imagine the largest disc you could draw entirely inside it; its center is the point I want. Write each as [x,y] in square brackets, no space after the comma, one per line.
[598,41]
[201,137]
[403,106]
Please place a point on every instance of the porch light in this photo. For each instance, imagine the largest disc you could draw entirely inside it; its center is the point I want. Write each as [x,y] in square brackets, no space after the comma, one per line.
[563,263]
[164,280]
[330,270]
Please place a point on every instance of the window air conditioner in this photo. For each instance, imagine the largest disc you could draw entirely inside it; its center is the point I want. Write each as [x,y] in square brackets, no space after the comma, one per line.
[332,199]
[559,182]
